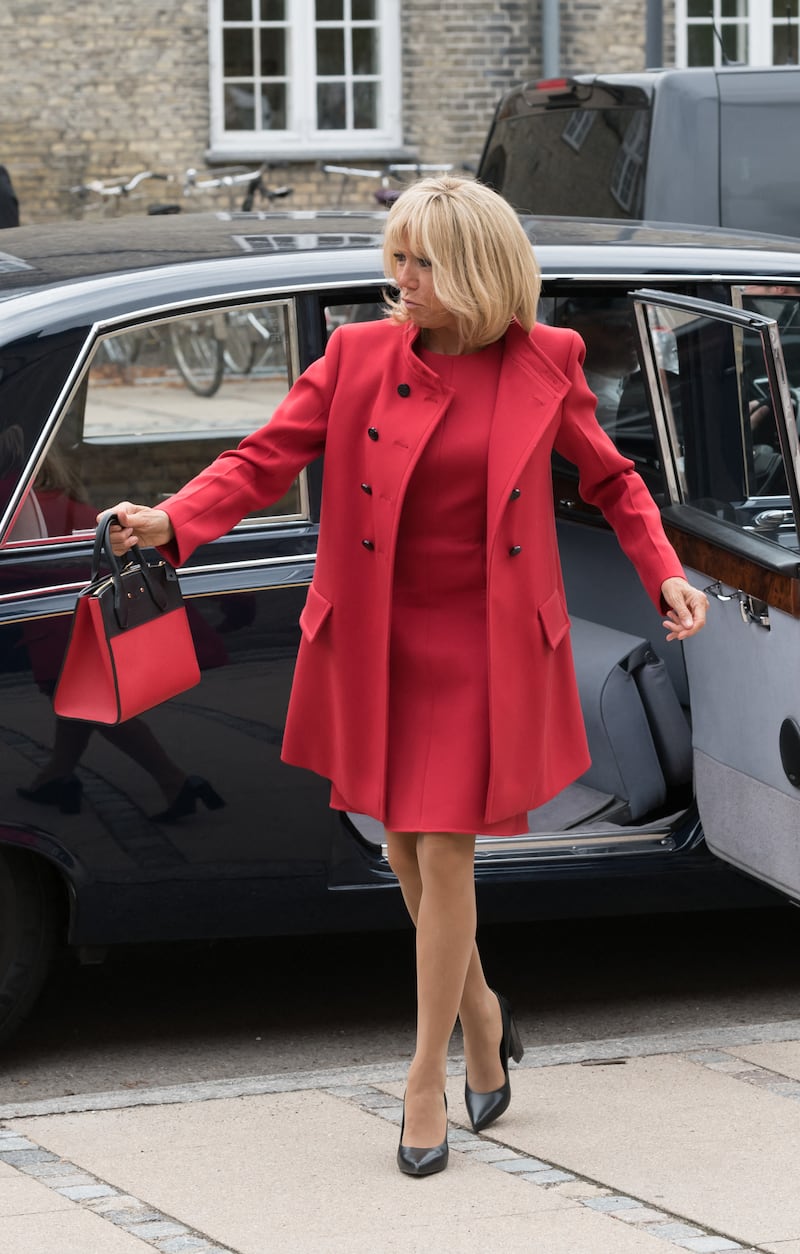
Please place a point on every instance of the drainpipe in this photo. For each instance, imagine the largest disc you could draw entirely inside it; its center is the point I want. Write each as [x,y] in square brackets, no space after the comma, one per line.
[551,39]
[654,35]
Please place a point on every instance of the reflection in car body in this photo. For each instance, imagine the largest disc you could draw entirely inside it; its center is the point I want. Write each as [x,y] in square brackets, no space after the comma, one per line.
[93,410]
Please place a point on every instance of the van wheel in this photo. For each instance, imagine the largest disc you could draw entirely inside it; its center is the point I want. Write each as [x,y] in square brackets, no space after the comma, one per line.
[28,920]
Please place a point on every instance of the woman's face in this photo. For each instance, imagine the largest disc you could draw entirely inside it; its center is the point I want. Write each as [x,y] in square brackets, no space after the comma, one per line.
[414,278]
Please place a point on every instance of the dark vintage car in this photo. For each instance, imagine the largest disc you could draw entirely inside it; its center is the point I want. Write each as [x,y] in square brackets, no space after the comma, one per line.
[131,354]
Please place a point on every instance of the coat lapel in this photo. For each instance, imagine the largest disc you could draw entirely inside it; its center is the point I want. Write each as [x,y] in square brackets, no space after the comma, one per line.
[529,393]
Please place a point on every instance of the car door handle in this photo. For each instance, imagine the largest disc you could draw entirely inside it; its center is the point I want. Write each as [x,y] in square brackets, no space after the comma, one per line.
[752,609]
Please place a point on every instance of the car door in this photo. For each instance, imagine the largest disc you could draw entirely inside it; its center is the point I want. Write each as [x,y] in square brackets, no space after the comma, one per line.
[726,417]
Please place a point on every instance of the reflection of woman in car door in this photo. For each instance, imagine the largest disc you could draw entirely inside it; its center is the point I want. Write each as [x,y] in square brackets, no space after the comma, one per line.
[58,507]
[434,684]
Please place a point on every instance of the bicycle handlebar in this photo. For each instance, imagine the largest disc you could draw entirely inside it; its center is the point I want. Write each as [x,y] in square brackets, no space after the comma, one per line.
[411,167]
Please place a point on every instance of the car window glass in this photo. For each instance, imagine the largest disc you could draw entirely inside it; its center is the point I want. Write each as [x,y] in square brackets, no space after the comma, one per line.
[360,311]
[606,325]
[155,405]
[554,159]
[718,414]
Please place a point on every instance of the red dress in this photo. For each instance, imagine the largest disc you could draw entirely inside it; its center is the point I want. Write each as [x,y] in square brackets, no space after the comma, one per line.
[438,762]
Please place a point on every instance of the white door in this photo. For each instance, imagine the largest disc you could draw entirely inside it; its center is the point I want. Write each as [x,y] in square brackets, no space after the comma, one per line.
[726,419]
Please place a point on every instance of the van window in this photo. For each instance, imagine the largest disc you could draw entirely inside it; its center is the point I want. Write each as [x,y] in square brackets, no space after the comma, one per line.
[537,159]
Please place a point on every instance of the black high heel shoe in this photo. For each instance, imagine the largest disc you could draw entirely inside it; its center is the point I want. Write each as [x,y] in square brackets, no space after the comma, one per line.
[64,793]
[194,789]
[484,1108]
[422,1162]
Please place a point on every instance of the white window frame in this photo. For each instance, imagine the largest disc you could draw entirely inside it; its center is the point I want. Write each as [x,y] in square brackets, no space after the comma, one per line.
[758,20]
[302,140]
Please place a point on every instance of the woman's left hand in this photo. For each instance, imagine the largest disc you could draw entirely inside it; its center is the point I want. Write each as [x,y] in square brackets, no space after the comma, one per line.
[687,608]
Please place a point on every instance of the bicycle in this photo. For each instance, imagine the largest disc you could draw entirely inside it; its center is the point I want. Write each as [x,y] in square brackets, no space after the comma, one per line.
[393,178]
[112,192]
[232,178]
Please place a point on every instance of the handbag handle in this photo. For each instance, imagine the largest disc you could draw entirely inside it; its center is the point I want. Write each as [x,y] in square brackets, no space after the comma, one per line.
[102,548]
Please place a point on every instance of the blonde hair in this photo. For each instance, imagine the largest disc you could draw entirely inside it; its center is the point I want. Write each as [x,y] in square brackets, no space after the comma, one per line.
[483,268]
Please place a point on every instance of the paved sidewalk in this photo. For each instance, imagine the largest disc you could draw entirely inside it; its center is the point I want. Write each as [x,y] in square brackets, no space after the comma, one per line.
[643,1145]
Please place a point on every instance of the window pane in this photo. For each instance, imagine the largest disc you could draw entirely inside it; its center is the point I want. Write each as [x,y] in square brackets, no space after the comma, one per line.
[779,8]
[239,108]
[734,41]
[784,45]
[607,327]
[365,106]
[715,392]
[237,53]
[700,45]
[272,11]
[129,428]
[734,8]
[273,53]
[363,10]
[273,106]
[331,107]
[330,52]
[700,8]
[365,51]
[237,11]
[330,10]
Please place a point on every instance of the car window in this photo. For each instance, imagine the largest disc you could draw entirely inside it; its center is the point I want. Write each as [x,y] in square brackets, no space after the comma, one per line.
[155,404]
[606,324]
[553,159]
[719,419]
[360,311]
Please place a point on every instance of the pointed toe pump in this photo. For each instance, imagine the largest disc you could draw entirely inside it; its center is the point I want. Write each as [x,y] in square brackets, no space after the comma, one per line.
[64,793]
[484,1108]
[422,1162]
[194,789]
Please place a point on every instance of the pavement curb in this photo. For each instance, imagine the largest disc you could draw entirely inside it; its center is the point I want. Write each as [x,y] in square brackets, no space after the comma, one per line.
[388,1073]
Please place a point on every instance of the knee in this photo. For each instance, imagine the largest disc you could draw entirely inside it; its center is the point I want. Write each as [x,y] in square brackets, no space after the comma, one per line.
[446,856]
[401,854]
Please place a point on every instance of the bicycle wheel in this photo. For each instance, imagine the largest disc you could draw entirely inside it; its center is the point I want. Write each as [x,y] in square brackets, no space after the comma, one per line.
[198,354]
[239,351]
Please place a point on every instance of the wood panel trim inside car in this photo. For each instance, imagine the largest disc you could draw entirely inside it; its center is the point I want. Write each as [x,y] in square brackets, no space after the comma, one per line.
[736,558]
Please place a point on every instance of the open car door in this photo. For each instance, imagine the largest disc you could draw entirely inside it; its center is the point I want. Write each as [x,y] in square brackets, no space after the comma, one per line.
[726,417]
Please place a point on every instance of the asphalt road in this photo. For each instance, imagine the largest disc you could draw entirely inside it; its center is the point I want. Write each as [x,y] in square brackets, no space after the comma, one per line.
[161,1015]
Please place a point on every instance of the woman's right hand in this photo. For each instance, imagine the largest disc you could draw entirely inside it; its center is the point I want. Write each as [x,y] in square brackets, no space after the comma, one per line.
[140,525]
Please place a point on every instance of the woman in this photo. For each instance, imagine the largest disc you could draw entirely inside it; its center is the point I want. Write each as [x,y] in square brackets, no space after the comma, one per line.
[434,684]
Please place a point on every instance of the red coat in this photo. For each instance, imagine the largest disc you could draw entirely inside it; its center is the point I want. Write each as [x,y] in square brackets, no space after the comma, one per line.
[371,405]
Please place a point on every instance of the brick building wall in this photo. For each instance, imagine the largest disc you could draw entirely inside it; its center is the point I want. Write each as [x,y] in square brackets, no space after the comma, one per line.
[104,88]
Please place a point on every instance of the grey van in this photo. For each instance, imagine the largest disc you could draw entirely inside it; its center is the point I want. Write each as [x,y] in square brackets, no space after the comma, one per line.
[717,147]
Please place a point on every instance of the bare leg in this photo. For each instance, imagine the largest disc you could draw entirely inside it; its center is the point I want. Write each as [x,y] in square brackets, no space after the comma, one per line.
[137,740]
[69,742]
[437,878]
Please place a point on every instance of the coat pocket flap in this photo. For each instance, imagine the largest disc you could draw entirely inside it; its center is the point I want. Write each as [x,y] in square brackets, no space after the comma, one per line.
[554,619]
[314,613]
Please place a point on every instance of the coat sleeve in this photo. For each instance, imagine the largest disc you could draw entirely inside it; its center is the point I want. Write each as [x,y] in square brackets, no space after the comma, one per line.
[262,468]
[609,481]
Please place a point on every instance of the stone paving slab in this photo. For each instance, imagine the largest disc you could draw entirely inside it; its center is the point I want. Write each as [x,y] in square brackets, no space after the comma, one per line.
[783,1057]
[76,1232]
[22,1196]
[679,1136]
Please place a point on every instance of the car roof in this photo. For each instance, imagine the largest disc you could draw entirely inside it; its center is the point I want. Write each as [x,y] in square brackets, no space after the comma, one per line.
[305,248]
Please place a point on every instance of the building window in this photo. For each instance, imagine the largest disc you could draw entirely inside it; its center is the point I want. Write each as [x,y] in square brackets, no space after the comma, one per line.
[304,78]
[751,32]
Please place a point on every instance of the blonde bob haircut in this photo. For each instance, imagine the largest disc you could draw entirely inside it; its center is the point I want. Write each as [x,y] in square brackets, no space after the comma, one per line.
[482,264]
